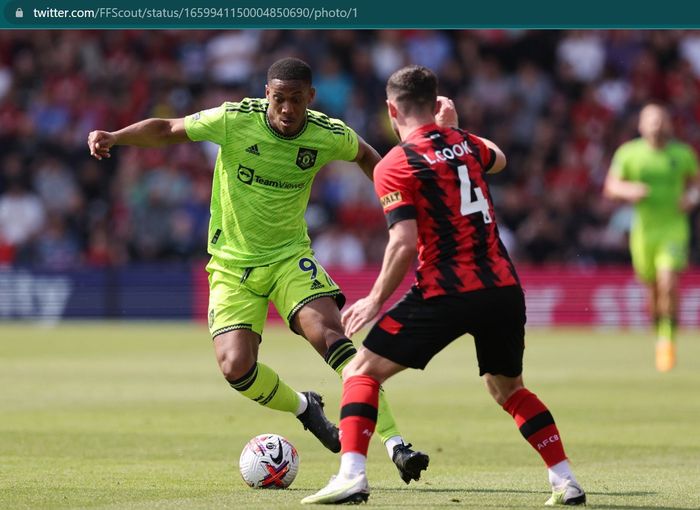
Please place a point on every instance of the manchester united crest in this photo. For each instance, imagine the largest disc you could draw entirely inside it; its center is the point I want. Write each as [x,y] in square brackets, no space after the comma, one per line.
[306,158]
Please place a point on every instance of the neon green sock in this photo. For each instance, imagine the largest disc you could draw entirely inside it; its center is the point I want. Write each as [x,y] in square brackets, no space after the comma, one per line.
[666,329]
[386,425]
[264,386]
[339,354]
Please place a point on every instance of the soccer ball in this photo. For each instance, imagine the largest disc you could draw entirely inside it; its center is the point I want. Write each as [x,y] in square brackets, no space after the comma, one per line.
[269,461]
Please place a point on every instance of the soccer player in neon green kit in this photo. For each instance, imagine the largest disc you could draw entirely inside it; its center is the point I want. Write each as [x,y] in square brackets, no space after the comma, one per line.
[659,175]
[270,151]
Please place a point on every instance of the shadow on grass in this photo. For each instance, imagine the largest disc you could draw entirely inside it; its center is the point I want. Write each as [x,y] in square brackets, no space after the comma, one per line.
[457,490]
[641,507]
[504,491]
[632,493]
[460,498]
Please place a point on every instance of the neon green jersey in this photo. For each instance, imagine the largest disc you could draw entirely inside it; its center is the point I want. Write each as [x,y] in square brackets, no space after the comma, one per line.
[665,171]
[262,179]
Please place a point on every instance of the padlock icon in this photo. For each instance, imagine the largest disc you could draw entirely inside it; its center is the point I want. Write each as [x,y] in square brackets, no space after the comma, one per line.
[19,13]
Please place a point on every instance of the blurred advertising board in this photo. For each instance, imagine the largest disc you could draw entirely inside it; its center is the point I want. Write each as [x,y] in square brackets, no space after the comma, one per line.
[604,297]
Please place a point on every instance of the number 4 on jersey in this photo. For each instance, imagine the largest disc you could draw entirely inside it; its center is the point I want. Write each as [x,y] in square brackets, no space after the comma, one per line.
[469,206]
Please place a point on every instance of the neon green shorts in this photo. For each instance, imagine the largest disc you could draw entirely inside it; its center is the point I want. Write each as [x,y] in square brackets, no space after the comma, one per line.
[652,251]
[239,297]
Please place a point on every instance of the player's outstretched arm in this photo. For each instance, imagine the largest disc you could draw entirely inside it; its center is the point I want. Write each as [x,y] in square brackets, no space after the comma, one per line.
[147,133]
[367,158]
[399,254]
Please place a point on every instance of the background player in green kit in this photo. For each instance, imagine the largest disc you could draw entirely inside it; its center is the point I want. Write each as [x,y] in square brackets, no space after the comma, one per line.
[270,151]
[660,176]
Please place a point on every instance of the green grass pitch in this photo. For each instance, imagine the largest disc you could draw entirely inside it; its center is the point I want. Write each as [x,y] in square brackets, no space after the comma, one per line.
[137,416]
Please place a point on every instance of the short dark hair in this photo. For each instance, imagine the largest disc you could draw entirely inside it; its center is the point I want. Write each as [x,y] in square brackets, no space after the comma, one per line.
[290,68]
[413,87]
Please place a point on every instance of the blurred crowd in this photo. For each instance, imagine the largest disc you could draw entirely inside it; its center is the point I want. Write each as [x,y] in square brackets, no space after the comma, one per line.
[557,102]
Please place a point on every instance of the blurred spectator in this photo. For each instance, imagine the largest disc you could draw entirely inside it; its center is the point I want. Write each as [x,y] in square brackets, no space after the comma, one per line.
[22,216]
[621,48]
[583,52]
[490,86]
[230,56]
[613,92]
[430,48]
[690,50]
[5,82]
[388,54]
[151,227]
[540,236]
[98,253]
[335,247]
[532,89]
[56,186]
[56,248]
[333,87]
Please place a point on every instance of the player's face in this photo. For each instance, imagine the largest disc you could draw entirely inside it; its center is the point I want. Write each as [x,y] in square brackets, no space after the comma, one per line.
[288,102]
[654,122]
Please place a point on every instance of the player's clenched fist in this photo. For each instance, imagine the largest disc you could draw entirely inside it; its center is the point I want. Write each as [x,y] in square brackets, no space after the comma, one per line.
[446,115]
[99,143]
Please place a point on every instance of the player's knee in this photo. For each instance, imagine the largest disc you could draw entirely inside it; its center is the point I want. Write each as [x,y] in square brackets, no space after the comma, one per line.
[234,366]
[667,285]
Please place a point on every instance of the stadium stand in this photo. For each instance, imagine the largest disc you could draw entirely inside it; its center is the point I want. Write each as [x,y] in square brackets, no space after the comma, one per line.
[557,102]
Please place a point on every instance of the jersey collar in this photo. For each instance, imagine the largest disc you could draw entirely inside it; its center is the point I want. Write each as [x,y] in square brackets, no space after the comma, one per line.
[425,128]
[280,135]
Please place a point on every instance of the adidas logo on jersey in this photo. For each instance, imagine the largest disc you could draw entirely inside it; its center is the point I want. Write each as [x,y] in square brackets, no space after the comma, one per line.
[253,149]
[316,285]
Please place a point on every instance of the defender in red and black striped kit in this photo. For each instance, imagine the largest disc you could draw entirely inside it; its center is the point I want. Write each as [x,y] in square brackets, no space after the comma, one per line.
[434,193]
[436,177]
[465,282]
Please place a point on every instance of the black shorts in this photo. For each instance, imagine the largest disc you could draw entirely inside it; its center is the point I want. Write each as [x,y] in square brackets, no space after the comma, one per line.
[416,329]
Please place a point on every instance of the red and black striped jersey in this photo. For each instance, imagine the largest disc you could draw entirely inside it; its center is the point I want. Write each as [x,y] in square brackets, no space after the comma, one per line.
[436,176]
